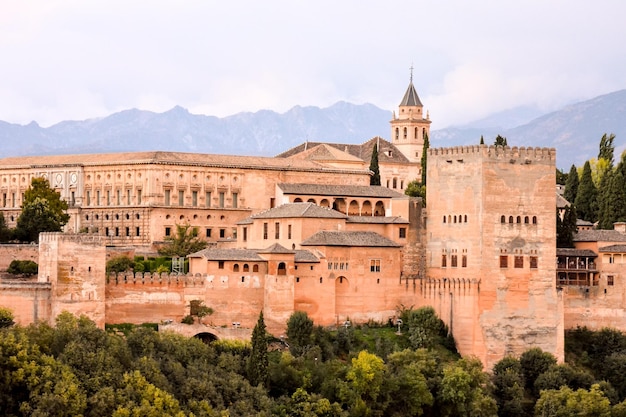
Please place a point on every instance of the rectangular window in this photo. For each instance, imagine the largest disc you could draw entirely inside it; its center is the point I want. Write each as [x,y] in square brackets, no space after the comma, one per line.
[504,261]
[533,262]
[181,198]
[4,199]
[519,261]
[138,196]
[168,231]
[235,200]
[245,234]
[208,232]
[374,265]
[221,200]
[220,264]
[207,199]
[137,231]
[128,231]
[610,280]
[88,198]
[194,198]
[265,227]
[234,233]
[106,231]
[402,233]
[444,261]
[277,231]
[167,197]
[289,232]
[128,197]
[13,200]
[72,198]
[108,197]
[453,261]
[98,198]
[119,197]
[464,261]
[222,233]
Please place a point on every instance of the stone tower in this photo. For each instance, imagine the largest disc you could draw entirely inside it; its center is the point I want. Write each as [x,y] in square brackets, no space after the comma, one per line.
[491,248]
[409,127]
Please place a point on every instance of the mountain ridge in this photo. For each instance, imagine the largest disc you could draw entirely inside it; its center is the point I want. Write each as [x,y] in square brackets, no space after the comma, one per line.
[574,130]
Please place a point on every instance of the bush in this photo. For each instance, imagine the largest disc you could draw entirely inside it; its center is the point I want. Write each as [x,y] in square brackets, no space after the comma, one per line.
[119,264]
[188,319]
[18,267]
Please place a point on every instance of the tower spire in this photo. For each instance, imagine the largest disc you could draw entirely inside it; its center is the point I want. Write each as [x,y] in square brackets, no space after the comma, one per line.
[411,78]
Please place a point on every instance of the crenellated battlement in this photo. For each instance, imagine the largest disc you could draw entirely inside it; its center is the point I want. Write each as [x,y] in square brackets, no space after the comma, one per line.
[82,238]
[148,278]
[504,153]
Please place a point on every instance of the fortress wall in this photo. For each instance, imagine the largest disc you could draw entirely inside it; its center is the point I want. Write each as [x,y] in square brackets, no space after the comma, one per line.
[596,307]
[28,300]
[11,252]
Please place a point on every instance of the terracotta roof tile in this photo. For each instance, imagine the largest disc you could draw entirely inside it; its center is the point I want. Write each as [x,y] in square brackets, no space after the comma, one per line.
[613,249]
[340,190]
[599,236]
[297,210]
[377,220]
[336,238]
[575,252]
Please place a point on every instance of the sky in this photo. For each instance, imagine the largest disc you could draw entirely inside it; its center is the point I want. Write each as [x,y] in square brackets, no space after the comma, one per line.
[76,59]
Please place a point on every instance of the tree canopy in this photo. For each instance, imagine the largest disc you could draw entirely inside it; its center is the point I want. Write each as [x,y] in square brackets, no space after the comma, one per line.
[375,178]
[184,242]
[43,210]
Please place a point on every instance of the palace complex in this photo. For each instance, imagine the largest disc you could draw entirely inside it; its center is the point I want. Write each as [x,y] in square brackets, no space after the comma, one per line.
[306,231]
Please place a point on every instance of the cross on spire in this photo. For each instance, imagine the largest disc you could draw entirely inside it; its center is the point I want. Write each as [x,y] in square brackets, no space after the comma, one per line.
[411,72]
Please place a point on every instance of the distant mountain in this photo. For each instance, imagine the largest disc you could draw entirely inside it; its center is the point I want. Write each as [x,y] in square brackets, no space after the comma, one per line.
[574,130]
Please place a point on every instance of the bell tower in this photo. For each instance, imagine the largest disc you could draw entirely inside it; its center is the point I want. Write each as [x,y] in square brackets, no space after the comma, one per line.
[409,127]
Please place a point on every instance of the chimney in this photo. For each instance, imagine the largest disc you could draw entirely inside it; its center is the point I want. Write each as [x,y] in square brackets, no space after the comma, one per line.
[619,227]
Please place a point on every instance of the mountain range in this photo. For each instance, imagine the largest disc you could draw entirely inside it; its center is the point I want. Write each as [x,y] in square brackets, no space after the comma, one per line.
[574,130]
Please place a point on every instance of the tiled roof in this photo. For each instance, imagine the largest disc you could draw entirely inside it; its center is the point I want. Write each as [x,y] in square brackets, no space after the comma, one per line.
[340,190]
[377,220]
[275,248]
[599,236]
[227,255]
[613,249]
[297,210]
[168,158]
[387,151]
[306,256]
[336,238]
[326,152]
[410,97]
[575,252]
[581,222]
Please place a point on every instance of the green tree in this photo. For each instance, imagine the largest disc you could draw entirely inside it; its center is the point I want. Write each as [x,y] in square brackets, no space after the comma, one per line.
[141,398]
[566,228]
[43,210]
[425,328]
[416,189]
[299,331]
[365,378]
[571,185]
[566,403]
[508,384]
[408,375]
[119,264]
[500,141]
[23,267]
[464,390]
[482,140]
[258,361]
[587,195]
[607,148]
[5,232]
[184,242]
[425,158]
[375,178]
[199,310]
[6,318]
[534,362]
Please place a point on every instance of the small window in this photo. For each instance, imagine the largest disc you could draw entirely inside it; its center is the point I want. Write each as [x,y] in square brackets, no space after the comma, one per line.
[402,233]
[533,262]
[265,229]
[534,219]
[464,261]
[288,231]
[277,230]
[465,218]
[610,280]
[255,268]
[510,219]
[222,233]
[444,261]
[220,264]
[525,219]
[374,265]
[246,268]
[208,232]
[504,261]
[236,268]
[137,231]
[168,231]
[453,261]
[245,234]
[519,219]
[503,219]
[519,261]
[444,219]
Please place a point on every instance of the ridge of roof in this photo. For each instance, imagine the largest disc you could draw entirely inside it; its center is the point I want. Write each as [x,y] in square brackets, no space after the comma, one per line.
[349,238]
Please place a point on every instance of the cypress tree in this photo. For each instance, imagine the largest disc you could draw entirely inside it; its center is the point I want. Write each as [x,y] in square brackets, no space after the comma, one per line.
[482,140]
[425,157]
[375,178]
[566,228]
[258,361]
[607,148]
[571,185]
[500,141]
[613,201]
[587,196]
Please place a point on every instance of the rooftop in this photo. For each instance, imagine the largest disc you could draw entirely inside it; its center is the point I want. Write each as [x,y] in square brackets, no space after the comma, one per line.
[336,238]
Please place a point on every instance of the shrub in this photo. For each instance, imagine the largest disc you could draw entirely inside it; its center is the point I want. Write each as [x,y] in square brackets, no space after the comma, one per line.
[18,267]
[119,264]
[188,319]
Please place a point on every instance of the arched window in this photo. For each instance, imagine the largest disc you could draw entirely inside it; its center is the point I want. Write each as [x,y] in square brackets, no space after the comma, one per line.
[236,268]
[455,218]
[282,269]
[526,219]
[503,219]
[519,219]
[397,133]
[255,268]
[405,133]
[534,219]
[465,218]
[395,182]
[444,219]
[297,200]
[423,133]
[510,219]
[246,268]
[415,136]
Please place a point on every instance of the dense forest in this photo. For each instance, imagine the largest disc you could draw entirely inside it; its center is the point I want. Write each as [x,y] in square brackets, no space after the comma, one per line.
[408,368]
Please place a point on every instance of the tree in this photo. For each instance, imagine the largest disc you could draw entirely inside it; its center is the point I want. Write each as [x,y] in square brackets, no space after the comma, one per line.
[425,158]
[299,330]
[375,178]
[607,148]
[534,362]
[6,318]
[258,361]
[119,264]
[509,387]
[5,232]
[184,242]
[482,140]
[565,403]
[464,390]
[199,310]
[566,228]
[500,141]
[23,267]
[43,210]
[571,185]
[425,328]
[586,197]
[416,189]
[561,177]
[365,378]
